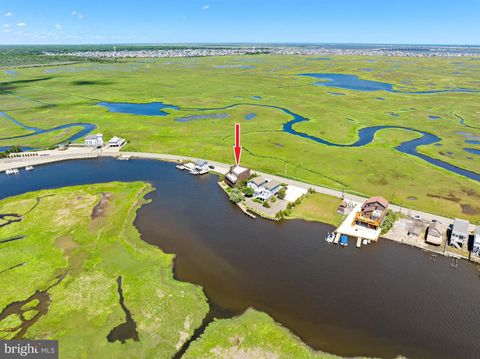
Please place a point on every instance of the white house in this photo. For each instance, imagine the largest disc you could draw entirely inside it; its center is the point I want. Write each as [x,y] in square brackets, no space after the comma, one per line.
[476,242]
[256,184]
[263,189]
[201,166]
[116,142]
[459,232]
[94,141]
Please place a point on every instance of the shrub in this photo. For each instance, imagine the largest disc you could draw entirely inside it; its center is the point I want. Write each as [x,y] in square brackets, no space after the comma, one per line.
[389,220]
[273,199]
[311,190]
[247,191]
[266,204]
[236,195]
[281,193]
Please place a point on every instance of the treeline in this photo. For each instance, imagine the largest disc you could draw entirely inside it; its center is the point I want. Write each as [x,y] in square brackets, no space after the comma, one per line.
[13,149]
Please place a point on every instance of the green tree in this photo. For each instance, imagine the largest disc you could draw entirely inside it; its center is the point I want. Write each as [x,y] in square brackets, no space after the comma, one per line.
[236,196]
[247,191]
[281,193]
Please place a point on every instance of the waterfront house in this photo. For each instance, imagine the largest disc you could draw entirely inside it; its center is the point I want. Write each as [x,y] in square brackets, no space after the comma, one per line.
[459,232]
[415,229]
[476,242]
[201,166]
[434,233]
[94,141]
[116,142]
[372,213]
[269,189]
[256,184]
[236,175]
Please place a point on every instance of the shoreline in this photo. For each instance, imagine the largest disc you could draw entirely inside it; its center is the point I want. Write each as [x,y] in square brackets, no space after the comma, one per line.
[52,156]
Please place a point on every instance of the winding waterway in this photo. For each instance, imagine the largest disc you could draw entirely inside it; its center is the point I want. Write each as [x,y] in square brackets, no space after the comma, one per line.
[381,300]
[366,135]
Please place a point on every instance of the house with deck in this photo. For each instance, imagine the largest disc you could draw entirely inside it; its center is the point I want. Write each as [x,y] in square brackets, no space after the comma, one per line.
[459,233]
[434,233]
[372,213]
[201,166]
[236,174]
[269,189]
[256,184]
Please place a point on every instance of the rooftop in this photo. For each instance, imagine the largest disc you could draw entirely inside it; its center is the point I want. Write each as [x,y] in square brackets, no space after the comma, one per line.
[272,184]
[237,170]
[460,225]
[378,199]
[258,180]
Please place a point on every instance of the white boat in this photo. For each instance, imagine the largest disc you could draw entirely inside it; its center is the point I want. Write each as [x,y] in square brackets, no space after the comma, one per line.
[197,172]
[29,168]
[12,172]
[180,167]
[330,237]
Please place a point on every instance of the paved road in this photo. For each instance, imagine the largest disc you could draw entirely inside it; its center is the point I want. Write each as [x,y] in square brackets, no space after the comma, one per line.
[55,156]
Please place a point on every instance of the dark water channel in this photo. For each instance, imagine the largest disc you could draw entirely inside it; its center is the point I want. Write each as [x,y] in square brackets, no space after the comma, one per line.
[380,300]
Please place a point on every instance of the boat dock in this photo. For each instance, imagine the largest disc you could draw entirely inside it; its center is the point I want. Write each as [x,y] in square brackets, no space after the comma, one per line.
[348,229]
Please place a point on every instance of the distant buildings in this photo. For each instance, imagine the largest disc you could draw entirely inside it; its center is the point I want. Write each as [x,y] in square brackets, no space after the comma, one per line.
[236,175]
[434,233]
[372,213]
[263,188]
[95,141]
[459,232]
[116,142]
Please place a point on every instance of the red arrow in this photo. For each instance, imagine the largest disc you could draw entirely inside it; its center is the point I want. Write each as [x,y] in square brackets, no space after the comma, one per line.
[237,149]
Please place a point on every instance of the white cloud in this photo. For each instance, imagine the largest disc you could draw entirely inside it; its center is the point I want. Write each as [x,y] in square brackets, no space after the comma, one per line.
[206,7]
[6,25]
[21,24]
[8,13]
[77,14]
[58,26]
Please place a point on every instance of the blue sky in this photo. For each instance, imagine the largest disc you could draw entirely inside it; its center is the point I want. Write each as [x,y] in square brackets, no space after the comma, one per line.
[188,21]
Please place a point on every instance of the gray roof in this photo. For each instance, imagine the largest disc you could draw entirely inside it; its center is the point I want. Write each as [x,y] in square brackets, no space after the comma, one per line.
[460,225]
[258,181]
[434,228]
[91,137]
[272,185]
[416,228]
[201,163]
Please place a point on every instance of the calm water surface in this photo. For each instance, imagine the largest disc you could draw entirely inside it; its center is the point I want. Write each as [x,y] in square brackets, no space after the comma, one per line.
[381,300]
[355,83]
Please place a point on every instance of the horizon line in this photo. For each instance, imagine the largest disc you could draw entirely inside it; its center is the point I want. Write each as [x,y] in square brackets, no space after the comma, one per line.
[248,43]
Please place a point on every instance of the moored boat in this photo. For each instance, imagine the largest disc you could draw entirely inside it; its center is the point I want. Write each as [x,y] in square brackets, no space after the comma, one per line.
[330,237]
[13,171]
